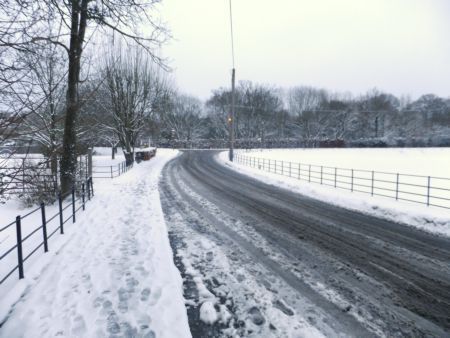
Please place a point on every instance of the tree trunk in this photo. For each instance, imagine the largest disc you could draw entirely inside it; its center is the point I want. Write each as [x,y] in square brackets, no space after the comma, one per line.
[129,158]
[69,156]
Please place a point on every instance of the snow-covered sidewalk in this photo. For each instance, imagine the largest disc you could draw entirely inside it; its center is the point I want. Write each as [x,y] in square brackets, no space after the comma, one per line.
[113,274]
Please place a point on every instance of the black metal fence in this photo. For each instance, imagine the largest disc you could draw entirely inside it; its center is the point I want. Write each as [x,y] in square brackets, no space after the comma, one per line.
[110,171]
[67,207]
[428,190]
[31,175]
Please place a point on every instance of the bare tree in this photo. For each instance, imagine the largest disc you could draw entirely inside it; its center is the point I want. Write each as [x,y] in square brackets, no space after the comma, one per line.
[305,98]
[44,124]
[22,26]
[133,85]
[184,119]
[218,109]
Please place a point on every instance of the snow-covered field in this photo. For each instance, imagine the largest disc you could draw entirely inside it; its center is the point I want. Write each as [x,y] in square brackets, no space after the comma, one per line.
[415,161]
[110,274]
[102,156]
[13,206]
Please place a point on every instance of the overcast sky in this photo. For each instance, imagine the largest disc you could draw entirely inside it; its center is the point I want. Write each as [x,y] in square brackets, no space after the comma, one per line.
[399,46]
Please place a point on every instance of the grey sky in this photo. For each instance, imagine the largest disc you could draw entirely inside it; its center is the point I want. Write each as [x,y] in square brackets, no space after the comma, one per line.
[400,46]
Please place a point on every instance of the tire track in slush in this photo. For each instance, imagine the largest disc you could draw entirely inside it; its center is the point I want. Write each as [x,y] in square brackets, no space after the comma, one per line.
[336,319]
[416,257]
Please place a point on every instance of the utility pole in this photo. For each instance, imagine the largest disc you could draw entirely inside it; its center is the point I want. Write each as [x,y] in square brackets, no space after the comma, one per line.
[231,116]
[233,100]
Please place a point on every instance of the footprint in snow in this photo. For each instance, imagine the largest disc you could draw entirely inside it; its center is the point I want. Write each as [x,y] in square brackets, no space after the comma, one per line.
[256,316]
[283,308]
[145,294]
[112,325]
[155,297]
[78,326]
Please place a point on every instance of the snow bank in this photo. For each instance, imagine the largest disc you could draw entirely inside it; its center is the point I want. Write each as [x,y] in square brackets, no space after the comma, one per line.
[111,274]
[430,219]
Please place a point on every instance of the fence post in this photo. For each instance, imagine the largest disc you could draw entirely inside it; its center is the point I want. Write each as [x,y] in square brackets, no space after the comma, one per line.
[90,162]
[335,177]
[86,164]
[92,186]
[81,168]
[23,175]
[44,227]
[61,218]
[19,247]
[352,182]
[118,168]
[396,188]
[309,173]
[321,173]
[290,169]
[299,171]
[373,178]
[428,191]
[82,195]
[111,172]
[282,168]
[73,204]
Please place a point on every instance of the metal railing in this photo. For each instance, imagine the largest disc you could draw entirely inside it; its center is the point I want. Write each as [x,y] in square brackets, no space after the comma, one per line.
[428,190]
[110,171]
[29,174]
[73,200]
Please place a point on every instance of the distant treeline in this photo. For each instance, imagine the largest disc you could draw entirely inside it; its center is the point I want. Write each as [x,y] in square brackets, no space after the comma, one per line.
[306,117]
[296,143]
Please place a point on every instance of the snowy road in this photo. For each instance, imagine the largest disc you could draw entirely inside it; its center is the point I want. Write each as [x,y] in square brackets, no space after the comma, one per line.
[262,261]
